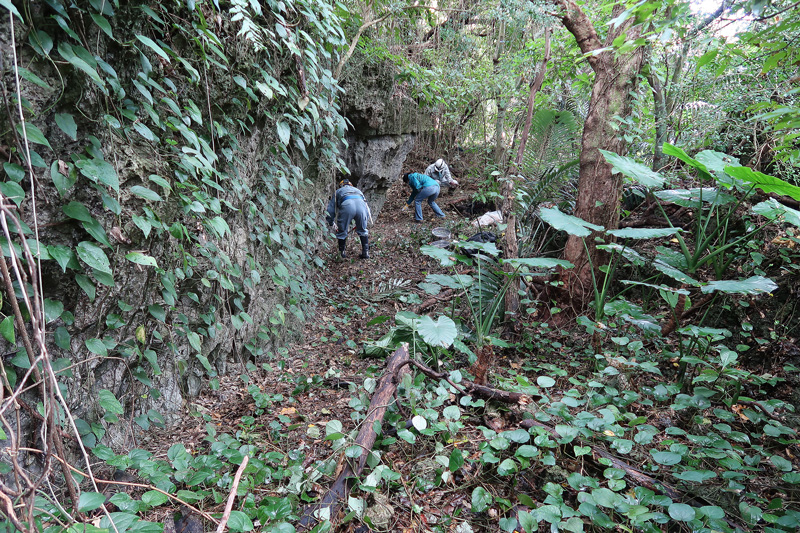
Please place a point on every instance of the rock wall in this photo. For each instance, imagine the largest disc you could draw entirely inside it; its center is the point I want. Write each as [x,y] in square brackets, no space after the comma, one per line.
[384,124]
[180,174]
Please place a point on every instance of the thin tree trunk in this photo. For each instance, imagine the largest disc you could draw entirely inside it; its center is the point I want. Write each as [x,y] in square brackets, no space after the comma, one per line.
[510,245]
[499,136]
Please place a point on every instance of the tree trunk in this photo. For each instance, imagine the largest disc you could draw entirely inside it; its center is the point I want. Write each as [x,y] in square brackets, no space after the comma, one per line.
[598,189]
[499,136]
[510,247]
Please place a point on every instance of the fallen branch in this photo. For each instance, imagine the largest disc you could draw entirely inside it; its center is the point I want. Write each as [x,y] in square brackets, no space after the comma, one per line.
[468,387]
[642,479]
[329,507]
[232,496]
[430,302]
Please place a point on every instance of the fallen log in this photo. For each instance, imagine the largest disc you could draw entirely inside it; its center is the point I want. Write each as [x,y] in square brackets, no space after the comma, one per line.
[332,501]
[430,302]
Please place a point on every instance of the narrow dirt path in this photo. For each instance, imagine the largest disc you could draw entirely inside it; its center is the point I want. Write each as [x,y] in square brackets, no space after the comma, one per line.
[308,383]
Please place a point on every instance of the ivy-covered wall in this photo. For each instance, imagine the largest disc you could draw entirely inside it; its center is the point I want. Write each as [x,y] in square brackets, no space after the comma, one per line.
[180,153]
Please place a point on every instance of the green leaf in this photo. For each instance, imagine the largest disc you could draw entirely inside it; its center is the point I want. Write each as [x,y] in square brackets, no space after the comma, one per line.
[571,224]
[7,329]
[706,58]
[97,347]
[675,274]
[153,46]
[666,458]
[64,256]
[194,341]
[774,210]
[284,132]
[157,312]
[239,521]
[96,230]
[89,501]
[99,171]
[445,257]
[764,182]
[66,122]
[545,381]
[144,131]
[419,422]
[14,171]
[147,194]
[33,78]
[456,460]
[62,338]
[752,285]
[696,476]
[481,500]
[781,463]
[52,310]
[636,171]
[72,54]
[507,467]
[8,5]
[141,259]
[153,498]
[442,332]
[33,134]
[451,412]
[219,226]
[538,262]
[94,256]
[78,211]
[102,22]
[681,512]
[643,233]
[109,402]
[605,497]
[13,191]
[528,522]
[86,284]
[695,197]
[669,149]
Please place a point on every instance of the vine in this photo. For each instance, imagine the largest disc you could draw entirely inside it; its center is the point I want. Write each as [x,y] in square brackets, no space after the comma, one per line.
[172,230]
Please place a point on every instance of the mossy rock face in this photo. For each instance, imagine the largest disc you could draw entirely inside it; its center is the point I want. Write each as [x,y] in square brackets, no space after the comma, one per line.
[264,191]
[385,124]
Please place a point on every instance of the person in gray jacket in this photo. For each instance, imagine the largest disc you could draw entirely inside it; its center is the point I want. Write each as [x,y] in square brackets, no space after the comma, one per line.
[348,204]
[441,173]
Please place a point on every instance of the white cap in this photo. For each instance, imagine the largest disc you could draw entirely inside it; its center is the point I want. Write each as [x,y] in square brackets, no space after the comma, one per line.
[439,164]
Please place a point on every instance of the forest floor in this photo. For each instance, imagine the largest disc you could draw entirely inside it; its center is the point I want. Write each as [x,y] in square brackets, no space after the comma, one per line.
[320,378]
[311,378]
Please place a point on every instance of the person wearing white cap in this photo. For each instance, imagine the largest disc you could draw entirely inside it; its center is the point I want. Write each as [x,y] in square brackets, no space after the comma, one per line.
[441,173]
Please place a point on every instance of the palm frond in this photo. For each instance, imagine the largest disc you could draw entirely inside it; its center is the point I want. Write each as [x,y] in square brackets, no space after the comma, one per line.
[486,294]
[551,142]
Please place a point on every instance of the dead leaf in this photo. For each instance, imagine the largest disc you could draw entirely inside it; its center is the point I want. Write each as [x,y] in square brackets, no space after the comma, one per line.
[738,410]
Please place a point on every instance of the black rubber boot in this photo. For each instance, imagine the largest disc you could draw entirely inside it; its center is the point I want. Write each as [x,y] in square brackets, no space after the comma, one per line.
[364,247]
[342,244]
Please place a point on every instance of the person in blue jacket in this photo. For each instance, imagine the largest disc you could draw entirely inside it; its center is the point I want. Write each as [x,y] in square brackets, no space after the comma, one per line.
[348,204]
[422,188]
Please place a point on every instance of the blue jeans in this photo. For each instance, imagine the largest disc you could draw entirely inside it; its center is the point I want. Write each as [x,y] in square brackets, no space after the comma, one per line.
[431,194]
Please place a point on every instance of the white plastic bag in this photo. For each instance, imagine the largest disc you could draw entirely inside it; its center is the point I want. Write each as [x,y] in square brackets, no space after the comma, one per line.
[489,219]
